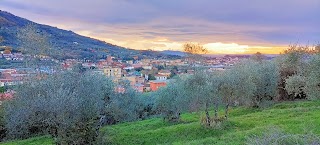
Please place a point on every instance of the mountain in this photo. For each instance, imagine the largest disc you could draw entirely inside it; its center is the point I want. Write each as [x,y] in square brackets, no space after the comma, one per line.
[171,52]
[71,45]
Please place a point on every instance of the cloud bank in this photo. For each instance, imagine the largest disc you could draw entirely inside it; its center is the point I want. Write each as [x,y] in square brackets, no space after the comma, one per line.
[242,26]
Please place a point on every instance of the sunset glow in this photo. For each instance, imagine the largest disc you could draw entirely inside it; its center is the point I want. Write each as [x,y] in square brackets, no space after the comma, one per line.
[222,27]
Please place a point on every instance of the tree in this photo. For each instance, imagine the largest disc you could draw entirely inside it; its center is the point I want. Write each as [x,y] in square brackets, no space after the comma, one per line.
[236,87]
[198,90]
[264,75]
[66,105]
[290,63]
[214,83]
[146,106]
[295,85]
[123,106]
[194,48]
[258,56]
[194,51]
[151,77]
[171,101]
[34,43]
[312,88]
[2,89]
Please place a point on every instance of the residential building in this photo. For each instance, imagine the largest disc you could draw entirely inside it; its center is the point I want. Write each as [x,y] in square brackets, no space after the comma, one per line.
[139,87]
[156,84]
[114,72]
[161,77]
[165,73]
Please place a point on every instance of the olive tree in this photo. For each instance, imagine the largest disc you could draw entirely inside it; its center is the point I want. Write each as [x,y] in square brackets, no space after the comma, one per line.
[291,62]
[214,83]
[199,91]
[66,105]
[35,45]
[312,88]
[295,85]
[237,87]
[264,75]
[33,41]
[123,106]
[171,100]
[146,106]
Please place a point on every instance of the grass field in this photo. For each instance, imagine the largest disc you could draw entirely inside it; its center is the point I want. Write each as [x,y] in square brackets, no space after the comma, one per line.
[292,117]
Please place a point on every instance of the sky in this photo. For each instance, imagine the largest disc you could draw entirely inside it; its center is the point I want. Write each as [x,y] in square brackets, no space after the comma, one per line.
[222,26]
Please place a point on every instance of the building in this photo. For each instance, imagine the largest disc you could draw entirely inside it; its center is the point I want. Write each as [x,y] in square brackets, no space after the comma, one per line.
[156,84]
[119,89]
[140,80]
[161,77]
[190,71]
[165,73]
[109,59]
[148,67]
[139,88]
[115,72]
[132,80]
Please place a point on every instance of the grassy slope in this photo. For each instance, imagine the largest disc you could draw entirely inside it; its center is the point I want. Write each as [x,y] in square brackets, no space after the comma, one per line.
[293,117]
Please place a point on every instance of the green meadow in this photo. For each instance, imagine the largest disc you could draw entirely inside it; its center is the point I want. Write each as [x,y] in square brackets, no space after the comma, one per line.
[298,117]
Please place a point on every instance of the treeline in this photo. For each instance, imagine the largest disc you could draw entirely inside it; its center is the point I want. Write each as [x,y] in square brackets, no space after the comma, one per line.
[253,82]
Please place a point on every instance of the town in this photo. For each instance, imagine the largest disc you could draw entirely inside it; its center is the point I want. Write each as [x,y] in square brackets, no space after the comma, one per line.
[145,75]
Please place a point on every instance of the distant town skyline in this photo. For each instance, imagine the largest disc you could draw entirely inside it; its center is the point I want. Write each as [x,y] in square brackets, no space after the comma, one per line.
[224,27]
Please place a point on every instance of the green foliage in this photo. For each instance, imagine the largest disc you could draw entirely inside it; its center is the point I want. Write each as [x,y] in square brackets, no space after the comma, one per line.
[33,41]
[151,77]
[62,105]
[160,67]
[2,89]
[255,81]
[139,69]
[312,87]
[295,85]
[171,101]
[123,106]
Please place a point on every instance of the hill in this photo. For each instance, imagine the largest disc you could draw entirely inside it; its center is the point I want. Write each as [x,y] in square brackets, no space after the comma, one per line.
[171,52]
[291,117]
[69,43]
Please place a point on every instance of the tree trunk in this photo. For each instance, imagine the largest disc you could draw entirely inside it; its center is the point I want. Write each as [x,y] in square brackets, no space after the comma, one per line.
[216,108]
[177,116]
[207,115]
[100,123]
[226,111]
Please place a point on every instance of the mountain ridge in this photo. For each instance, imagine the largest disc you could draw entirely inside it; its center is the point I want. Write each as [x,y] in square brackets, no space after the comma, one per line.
[69,42]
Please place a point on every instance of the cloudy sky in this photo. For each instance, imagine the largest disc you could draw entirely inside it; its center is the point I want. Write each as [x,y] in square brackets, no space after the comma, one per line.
[223,26]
